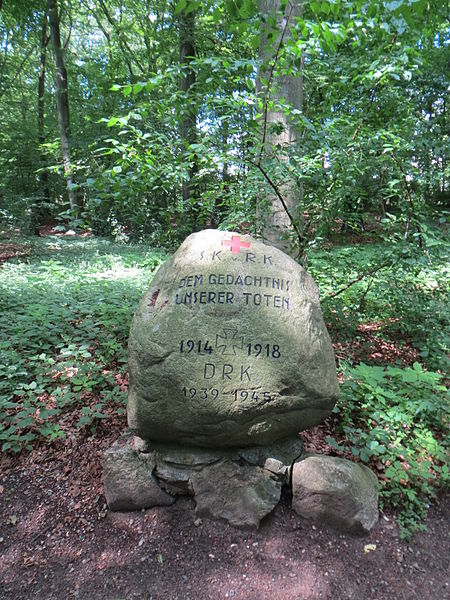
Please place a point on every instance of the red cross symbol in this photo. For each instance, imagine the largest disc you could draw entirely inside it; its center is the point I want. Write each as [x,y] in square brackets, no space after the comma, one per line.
[236,244]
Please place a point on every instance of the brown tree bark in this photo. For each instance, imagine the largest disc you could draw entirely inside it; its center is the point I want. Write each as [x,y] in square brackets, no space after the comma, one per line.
[62,103]
[43,173]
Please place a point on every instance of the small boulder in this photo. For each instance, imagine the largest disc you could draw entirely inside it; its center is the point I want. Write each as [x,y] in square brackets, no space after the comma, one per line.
[128,481]
[335,491]
[239,495]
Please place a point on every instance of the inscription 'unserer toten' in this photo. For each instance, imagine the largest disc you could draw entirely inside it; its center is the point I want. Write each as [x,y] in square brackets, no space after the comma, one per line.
[250,299]
[269,296]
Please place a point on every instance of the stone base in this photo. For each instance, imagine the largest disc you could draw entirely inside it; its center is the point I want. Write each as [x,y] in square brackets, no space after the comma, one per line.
[239,486]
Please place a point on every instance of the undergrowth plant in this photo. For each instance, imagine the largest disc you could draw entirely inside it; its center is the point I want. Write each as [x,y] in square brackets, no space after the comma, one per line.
[64,321]
[402,288]
[393,417]
[396,419]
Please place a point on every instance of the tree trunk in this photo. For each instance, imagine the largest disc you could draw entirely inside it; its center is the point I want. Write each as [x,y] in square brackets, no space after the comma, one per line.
[43,173]
[277,132]
[188,119]
[62,103]
[39,213]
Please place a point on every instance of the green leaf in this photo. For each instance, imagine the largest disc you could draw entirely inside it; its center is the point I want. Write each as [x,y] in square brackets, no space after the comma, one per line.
[180,6]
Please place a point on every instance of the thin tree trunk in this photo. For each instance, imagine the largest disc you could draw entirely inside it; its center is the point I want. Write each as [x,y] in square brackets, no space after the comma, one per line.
[277,131]
[62,103]
[43,173]
[188,120]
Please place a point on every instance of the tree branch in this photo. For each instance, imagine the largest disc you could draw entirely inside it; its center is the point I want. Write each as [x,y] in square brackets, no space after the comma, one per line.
[69,14]
[122,42]
[19,70]
[5,53]
[359,278]
[99,23]
[280,198]
[373,91]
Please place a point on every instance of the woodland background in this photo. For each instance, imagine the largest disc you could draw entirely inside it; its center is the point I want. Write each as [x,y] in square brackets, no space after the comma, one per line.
[133,123]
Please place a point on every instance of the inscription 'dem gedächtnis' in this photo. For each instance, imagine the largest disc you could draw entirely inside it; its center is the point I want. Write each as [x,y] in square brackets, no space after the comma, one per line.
[235,291]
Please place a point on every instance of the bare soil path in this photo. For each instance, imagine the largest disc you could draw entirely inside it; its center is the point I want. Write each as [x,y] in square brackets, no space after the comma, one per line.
[57,541]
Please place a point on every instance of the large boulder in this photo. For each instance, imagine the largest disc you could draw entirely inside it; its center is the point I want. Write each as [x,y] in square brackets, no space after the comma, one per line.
[335,491]
[228,347]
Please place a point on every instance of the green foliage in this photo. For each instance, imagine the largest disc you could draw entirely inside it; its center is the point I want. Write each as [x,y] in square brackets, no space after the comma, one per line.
[64,328]
[368,124]
[148,162]
[399,286]
[394,418]
[371,135]
[397,419]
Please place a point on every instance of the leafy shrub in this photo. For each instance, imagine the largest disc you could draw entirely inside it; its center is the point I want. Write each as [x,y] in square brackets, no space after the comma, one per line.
[396,419]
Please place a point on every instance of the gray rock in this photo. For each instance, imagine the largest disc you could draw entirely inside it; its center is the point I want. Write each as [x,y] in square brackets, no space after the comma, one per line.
[128,481]
[239,495]
[238,486]
[336,491]
[228,348]
[277,458]
[175,465]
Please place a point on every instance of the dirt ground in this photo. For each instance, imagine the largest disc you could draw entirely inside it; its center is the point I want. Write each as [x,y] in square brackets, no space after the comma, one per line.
[58,541]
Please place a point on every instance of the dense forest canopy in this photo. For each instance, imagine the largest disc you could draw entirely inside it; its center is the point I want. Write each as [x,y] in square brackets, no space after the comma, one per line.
[151,119]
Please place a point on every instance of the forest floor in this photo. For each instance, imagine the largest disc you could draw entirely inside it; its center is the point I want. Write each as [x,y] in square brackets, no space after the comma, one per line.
[59,541]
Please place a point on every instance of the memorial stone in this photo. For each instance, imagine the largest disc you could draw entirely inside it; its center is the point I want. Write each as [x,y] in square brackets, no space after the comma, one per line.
[228,347]
[229,359]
